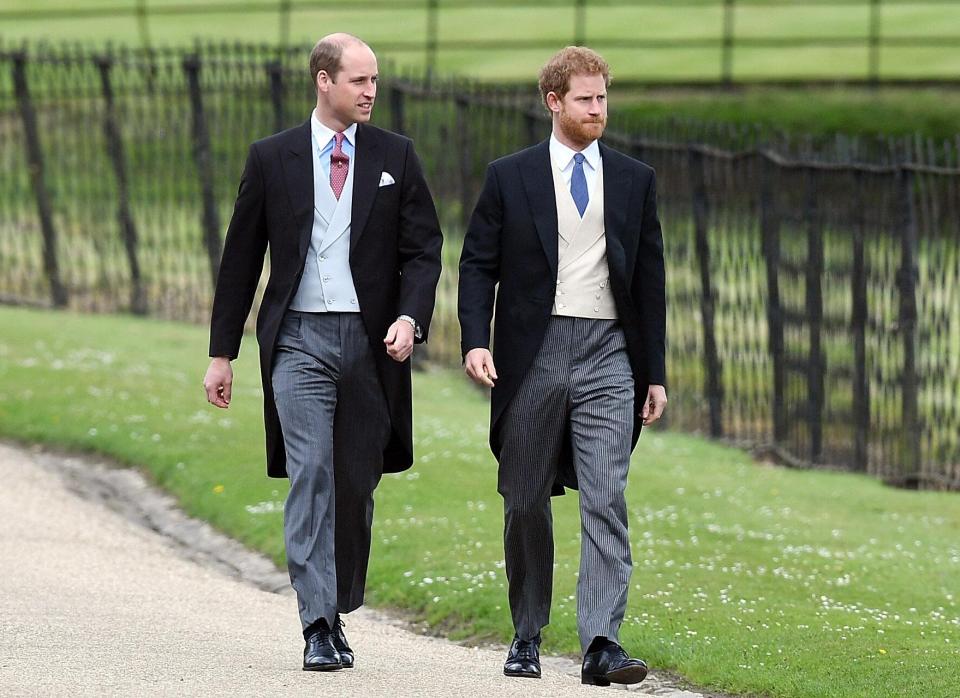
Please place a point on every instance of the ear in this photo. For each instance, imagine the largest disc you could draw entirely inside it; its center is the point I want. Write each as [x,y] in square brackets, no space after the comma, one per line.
[323,81]
[553,102]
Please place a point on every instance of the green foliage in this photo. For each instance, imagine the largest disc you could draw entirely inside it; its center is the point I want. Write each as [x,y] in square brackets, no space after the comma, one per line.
[747,577]
[929,113]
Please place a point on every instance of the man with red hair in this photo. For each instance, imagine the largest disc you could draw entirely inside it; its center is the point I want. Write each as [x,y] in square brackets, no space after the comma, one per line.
[568,229]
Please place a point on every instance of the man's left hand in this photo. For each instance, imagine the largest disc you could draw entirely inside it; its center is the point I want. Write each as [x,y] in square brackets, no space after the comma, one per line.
[399,340]
[654,404]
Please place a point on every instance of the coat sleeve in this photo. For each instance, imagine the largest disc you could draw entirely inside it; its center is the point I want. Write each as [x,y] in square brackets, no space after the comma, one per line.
[420,242]
[241,263]
[480,266]
[648,287]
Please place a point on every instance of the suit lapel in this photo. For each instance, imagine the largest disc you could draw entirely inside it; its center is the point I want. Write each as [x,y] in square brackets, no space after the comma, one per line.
[298,175]
[366,180]
[538,184]
[617,184]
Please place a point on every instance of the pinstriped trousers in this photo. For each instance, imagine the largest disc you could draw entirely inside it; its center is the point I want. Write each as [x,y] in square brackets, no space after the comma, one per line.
[336,424]
[579,387]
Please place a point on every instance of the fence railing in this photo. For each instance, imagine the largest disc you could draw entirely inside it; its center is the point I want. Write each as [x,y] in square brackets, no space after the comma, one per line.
[813,287]
[722,35]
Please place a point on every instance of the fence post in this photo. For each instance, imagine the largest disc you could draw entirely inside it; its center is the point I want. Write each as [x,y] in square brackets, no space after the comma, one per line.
[58,291]
[128,230]
[861,384]
[464,158]
[814,313]
[713,381]
[579,22]
[873,44]
[431,43]
[202,155]
[397,107]
[907,322]
[284,23]
[770,229]
[726,55]
[532,126]
[275,71]
[143,24]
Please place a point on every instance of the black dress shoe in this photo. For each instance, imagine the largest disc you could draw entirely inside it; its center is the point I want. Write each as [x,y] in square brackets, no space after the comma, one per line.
[523,659]
[611,664]
[319,654]
[341,644]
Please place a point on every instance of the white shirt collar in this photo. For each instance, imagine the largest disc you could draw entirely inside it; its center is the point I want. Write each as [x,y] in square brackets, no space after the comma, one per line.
[323,134]
[562,156]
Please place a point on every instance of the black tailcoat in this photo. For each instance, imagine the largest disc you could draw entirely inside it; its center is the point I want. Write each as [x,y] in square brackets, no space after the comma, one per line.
[510,254]
[395,245]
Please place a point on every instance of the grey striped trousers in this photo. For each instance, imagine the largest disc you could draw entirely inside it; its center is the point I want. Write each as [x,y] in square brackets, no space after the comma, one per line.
[335,424]
[580,387]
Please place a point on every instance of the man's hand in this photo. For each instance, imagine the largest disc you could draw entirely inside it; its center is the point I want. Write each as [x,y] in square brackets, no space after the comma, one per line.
[478,363]
[219,382]
[399,340]
[654,404]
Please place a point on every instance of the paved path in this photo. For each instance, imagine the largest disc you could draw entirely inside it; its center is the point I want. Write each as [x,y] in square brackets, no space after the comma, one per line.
[94,602]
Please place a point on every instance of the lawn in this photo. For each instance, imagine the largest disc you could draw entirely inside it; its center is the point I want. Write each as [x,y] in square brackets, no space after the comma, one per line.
[888,111]
[749,578]
[551,22]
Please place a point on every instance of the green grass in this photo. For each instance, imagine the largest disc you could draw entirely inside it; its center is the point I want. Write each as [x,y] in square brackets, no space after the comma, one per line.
[933,113]
[749,578]
[493,21]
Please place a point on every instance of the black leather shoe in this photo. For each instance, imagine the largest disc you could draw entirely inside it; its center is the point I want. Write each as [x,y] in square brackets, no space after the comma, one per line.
[341,644]
[319,654]
[523,659]
[611,664]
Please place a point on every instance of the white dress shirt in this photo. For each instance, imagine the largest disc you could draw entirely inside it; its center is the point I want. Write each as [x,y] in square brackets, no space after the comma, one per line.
[562,158]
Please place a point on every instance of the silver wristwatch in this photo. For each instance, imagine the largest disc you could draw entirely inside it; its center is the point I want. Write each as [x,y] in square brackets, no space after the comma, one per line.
[417,332]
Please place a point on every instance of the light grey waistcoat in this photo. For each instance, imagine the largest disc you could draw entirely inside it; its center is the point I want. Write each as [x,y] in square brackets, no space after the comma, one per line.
[327,282]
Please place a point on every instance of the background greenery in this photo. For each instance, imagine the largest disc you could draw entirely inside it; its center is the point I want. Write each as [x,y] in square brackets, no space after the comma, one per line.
[932,112]
[498,20]
[749,578]
[929,112]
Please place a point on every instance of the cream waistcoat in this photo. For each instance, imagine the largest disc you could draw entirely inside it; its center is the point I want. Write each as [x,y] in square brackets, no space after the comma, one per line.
[583,278]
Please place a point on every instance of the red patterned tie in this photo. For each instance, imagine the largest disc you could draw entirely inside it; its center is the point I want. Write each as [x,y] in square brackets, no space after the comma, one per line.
[339,166]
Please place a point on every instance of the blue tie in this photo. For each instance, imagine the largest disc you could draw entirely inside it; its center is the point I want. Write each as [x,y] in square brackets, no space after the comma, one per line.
[578,185]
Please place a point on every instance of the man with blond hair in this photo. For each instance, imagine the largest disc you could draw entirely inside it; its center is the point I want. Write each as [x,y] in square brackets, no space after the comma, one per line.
[568,229]
[354,263]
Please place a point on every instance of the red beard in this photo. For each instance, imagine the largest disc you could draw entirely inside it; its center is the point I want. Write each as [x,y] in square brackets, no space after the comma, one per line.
[581,132]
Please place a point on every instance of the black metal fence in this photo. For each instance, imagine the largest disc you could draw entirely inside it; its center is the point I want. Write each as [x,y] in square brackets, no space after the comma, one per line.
[813,286]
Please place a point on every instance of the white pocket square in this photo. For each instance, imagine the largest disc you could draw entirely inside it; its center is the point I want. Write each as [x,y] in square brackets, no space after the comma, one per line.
[386,179]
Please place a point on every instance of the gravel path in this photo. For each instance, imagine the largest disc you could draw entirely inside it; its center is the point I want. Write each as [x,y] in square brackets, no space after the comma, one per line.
[106,588]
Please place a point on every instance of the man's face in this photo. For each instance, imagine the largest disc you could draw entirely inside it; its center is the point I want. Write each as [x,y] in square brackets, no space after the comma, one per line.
[583,110]
[350,98]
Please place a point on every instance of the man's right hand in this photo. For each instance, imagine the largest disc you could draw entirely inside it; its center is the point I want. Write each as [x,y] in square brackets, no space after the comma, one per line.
[478,363]
[219,382]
